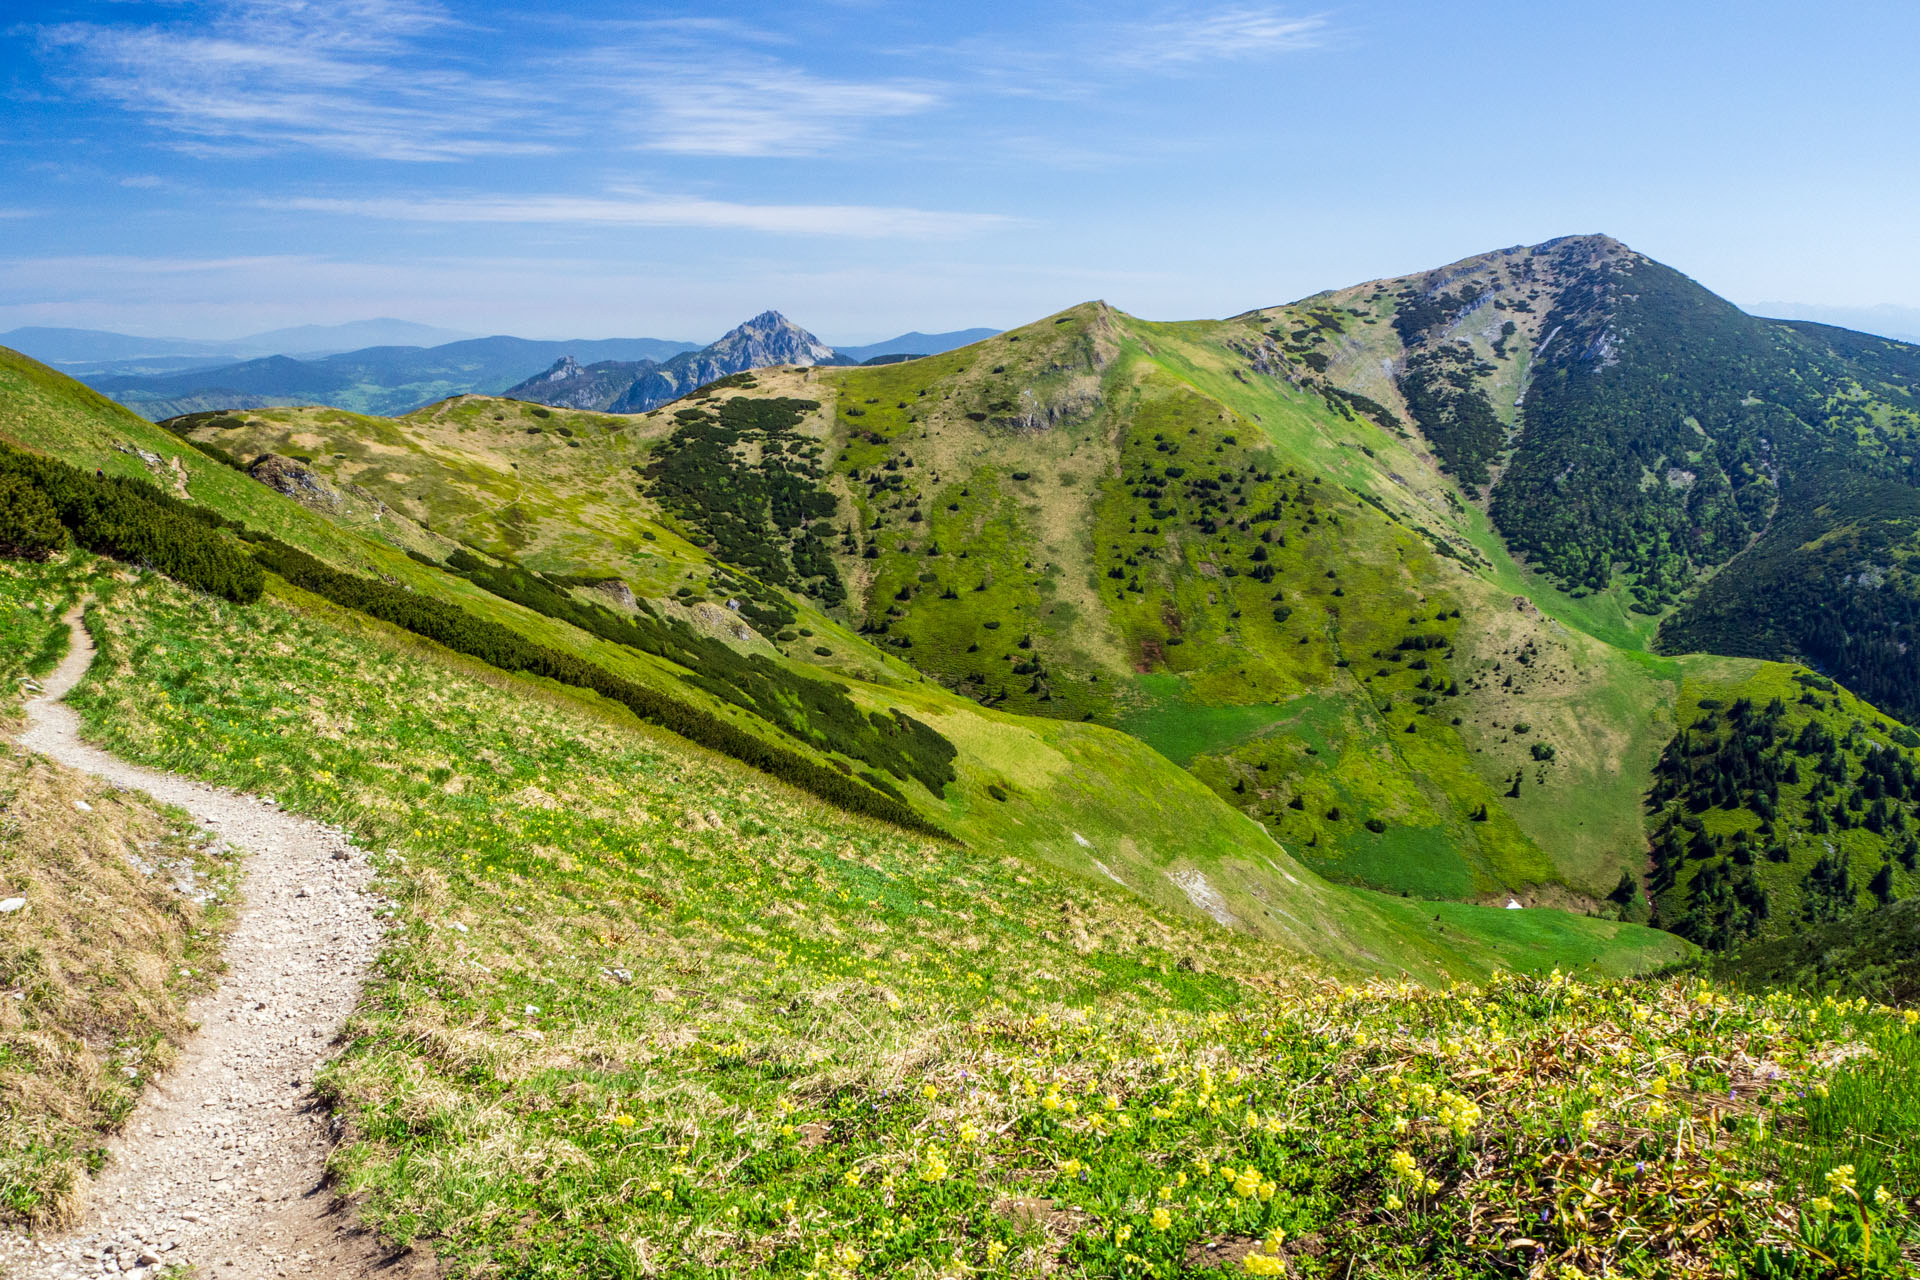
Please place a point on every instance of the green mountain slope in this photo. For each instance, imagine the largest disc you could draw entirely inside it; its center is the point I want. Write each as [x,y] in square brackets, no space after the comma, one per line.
[635,993]
[1049,791]
[643,1009]
[1285,662]
[1785,802]
[993,589]
[1268,547]
[1636,437]
[1279,549]
[1875,955]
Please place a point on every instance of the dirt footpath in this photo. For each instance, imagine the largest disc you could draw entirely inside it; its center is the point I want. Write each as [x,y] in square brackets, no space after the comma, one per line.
[221,1167]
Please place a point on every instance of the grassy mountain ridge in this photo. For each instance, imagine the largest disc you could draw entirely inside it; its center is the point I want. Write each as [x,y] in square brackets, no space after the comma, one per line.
[1784,803]
[1051,522]
[1660,454]
[641,1008]
[962,490]
[1040,786]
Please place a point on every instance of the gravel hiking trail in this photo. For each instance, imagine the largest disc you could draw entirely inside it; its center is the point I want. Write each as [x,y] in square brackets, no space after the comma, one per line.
[221,1168]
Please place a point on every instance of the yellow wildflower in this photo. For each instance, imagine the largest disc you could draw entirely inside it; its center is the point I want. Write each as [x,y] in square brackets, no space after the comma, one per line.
[1161,1219]
[934,1167]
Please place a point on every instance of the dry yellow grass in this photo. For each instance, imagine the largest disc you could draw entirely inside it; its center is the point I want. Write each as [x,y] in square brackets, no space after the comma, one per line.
[95,970]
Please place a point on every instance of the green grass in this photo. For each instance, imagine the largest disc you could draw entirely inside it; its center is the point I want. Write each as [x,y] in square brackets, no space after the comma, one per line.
[1000,589]
[34,599]
[1179,727]
[1068,788]
[1004,586]
[692,1023]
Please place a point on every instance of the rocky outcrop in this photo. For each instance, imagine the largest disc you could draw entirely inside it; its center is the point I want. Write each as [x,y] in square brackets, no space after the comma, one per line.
[568,384]
[622,386]
[298,482]
[767,339]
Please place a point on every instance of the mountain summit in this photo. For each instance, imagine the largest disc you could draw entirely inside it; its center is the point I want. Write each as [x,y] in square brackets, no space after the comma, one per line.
[636,386]
[767,339]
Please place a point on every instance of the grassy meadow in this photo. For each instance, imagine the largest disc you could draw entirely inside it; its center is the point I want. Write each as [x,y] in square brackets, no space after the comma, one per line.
[644,1012]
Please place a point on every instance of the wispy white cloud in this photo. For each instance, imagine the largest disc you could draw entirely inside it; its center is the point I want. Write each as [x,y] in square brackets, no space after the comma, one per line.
[758,109]
[334,75]
[649,210]
[404,80]
[1196,36]
[1087,60]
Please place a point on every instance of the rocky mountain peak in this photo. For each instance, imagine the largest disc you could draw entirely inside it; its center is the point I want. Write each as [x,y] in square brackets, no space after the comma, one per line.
[768,339]
[564,368]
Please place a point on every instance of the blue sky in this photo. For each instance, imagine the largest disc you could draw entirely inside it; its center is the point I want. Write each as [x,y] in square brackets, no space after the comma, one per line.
[208,169]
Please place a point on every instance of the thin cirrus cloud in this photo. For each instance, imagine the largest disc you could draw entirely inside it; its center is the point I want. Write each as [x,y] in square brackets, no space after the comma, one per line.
[1087,61]
[346,76]
[402,80]
[644,210]
[761,110]
[1194,37]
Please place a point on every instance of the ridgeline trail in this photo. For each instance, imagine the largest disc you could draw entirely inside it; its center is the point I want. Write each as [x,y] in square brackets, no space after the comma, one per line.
[222,1165]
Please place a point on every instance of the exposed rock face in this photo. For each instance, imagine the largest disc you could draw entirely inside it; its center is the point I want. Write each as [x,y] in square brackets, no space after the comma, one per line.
[571,385]
[618,591]
[296,481]
[767,339]
[634,386]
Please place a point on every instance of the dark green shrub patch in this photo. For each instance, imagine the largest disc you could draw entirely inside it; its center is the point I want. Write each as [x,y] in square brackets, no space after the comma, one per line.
[134,521]
[824,716]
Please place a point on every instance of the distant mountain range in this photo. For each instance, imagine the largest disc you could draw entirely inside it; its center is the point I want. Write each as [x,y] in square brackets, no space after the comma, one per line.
[636,386]
[101,351]
[916,344]
[163,378]
[381,380]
